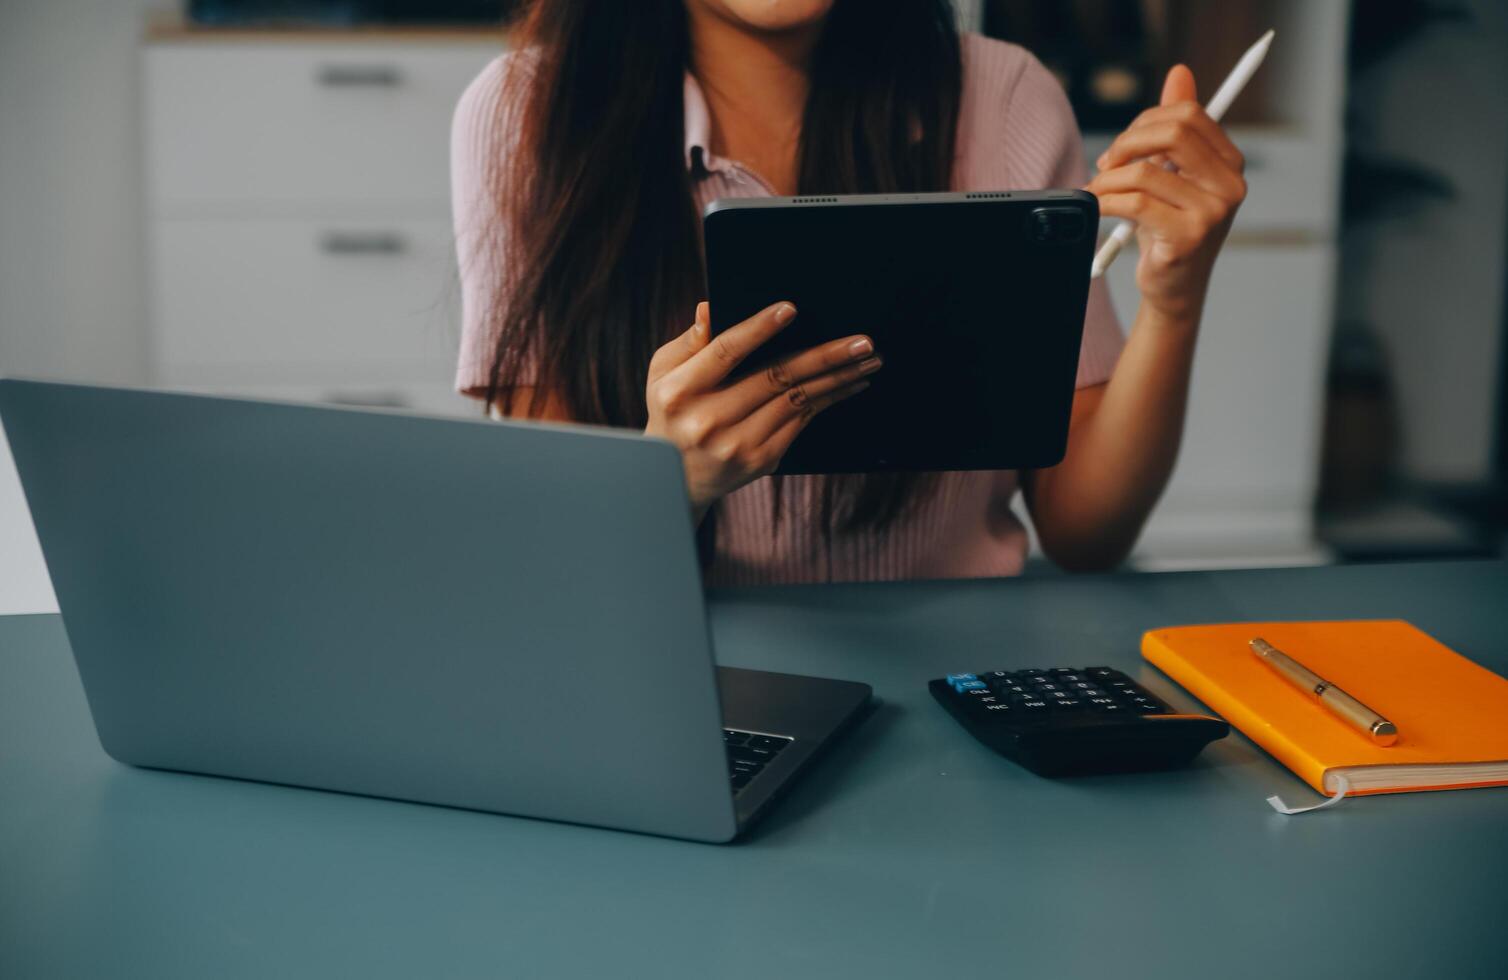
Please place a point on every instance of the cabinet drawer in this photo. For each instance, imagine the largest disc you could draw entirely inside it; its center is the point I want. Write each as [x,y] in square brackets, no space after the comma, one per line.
[257,124]
[303,300]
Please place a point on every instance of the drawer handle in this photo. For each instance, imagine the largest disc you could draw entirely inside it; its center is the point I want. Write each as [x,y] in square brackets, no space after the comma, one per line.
[363,243]
[360,76]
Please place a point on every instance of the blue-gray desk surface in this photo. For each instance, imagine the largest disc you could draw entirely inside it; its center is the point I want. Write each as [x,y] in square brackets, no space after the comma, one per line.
[911,851]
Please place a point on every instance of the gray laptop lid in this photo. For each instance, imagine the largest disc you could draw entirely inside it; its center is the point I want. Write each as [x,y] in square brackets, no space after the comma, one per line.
[500,616]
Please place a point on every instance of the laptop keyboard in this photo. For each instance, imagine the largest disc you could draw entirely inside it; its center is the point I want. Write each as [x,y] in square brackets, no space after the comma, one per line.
[748,753]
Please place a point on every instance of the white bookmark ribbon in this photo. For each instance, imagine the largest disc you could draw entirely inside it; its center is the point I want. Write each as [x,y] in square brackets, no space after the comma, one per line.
[1342,787]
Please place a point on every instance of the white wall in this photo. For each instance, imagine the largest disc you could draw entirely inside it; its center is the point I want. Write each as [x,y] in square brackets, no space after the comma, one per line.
[71,279]
[1432,283]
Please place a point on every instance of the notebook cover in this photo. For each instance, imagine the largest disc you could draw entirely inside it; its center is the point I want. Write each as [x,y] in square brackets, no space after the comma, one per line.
[1447,708]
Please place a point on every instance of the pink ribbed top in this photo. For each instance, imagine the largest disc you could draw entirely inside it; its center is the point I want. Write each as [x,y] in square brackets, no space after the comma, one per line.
[1015,132]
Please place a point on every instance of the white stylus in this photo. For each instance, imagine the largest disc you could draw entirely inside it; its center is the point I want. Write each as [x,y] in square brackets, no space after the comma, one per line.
[1215,108]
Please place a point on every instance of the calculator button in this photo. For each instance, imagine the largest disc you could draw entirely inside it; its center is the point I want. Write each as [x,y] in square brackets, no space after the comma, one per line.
[1070,704]
[1030,672]
[1148,709]
[995,676]
[1035,706]
[1110,709]
[1000,708]
[1060,671]
[1103,673]
[962,686]
[959,678]
[742,753]
[1101,702]
[767,742]
[1049,687]
[1070,678]
[735,738]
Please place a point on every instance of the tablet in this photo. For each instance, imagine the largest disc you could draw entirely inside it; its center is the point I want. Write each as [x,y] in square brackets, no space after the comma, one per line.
[975,302]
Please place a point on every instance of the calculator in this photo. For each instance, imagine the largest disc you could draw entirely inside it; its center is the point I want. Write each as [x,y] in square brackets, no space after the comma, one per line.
[1069,721]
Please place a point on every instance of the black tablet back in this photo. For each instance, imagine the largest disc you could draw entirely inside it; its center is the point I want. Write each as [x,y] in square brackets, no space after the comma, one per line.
[975,302]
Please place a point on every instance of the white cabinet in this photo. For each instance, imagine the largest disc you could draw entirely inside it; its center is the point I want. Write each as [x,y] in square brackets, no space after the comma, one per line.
[1243,489]
[304,297]
[298,125]
[300,232]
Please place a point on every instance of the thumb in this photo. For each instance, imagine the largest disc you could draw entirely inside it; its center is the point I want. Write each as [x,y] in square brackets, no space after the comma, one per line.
[681,349]
[698,336]
[1179,86]
[701,329]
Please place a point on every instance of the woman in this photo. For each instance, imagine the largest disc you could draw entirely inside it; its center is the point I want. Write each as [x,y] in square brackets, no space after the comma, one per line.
[581,164]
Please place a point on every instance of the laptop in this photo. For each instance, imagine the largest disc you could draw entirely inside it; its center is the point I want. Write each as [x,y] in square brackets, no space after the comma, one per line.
[491,615]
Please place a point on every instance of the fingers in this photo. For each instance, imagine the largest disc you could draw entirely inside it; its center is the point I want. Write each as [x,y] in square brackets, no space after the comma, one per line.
[747,395]
[682,348]
[1185,118]
[1152,214]
[805,400]
[1172,189]
[780,440]
[758,445]
[1188,150]
[720,355]
[754,447]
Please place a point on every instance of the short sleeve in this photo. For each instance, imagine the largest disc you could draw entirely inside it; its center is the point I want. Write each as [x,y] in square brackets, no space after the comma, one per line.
[1034,144]
[484,132]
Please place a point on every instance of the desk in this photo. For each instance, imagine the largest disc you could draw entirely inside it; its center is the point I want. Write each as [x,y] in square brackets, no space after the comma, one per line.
[910,851]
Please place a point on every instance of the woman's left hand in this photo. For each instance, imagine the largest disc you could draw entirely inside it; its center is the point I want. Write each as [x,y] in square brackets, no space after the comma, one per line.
[1182,214]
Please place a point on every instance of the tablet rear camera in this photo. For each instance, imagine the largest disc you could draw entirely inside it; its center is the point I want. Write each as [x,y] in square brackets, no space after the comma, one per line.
[1056,224]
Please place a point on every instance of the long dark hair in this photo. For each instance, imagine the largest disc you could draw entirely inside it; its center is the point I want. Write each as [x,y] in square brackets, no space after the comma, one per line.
[603,243]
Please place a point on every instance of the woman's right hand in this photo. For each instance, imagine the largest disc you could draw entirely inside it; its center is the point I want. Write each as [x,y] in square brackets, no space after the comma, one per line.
[730,434]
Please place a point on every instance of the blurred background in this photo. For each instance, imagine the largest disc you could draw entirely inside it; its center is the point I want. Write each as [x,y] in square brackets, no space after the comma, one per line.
[251,196]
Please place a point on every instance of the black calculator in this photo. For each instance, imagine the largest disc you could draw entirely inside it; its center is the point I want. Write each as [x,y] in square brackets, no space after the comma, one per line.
[1070,721]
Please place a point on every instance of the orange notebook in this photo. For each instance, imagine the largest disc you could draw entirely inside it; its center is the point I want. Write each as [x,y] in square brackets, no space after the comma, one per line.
[1452,715]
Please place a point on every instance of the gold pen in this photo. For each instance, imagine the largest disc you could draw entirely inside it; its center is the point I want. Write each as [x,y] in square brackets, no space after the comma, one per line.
[1374,726]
